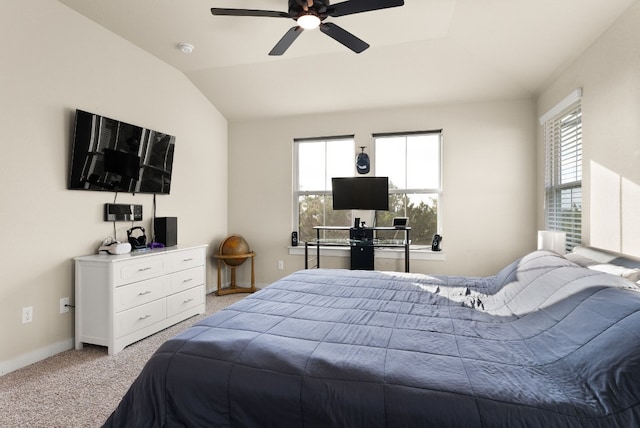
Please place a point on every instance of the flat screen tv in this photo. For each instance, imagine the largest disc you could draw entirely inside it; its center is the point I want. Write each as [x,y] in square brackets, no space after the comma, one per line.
[360,193]
[110,155]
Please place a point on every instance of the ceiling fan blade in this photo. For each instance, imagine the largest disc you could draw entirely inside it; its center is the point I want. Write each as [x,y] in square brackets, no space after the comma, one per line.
[343,36]
[357,6]
[249,12]
[286,41]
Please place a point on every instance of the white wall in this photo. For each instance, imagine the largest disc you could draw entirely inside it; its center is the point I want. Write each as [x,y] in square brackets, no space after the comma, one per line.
[488,202]
[609,74]
[53,62]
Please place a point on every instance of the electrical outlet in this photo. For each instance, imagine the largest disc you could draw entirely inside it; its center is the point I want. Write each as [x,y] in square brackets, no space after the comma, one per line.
[280,264]
[27,314]
[64,305]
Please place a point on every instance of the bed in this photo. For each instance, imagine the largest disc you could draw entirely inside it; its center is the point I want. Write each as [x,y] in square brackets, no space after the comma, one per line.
[546,342]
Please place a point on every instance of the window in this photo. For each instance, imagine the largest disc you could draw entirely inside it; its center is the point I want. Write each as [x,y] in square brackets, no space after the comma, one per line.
[563,168]
[317,161]
[412,161]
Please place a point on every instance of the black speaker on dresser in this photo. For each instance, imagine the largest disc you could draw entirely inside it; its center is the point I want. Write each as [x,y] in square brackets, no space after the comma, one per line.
[166,230]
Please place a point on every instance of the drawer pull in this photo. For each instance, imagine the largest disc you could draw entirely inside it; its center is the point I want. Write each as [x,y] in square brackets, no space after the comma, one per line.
[187,260]
[144,293]
[187,301]
[144,317]
[144,269]
[187,280]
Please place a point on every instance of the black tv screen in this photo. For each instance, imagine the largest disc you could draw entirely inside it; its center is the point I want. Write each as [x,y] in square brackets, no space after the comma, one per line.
[111,155]
[360,193]
[126,164]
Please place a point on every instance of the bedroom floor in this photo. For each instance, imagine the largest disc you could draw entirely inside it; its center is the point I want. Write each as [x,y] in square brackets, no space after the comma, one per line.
[82,388]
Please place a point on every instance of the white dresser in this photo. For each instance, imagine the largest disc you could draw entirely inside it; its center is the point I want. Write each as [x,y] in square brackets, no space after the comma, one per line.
[120,299]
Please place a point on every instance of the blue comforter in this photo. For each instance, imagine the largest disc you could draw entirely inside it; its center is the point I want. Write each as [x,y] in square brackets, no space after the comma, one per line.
[544,343]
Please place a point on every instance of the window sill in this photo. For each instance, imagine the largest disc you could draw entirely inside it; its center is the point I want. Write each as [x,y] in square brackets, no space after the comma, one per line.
[415,253]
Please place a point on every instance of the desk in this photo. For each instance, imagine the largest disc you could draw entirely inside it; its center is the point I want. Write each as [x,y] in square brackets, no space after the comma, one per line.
[368,239]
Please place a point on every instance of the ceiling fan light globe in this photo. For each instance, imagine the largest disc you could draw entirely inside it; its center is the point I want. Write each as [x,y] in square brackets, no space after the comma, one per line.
[308,21]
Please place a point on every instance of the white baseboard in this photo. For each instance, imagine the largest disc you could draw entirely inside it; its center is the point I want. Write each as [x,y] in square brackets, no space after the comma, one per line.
[35,356]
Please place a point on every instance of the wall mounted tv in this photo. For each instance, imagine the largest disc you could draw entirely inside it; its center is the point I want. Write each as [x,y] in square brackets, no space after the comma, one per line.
[115,156]
[360,193]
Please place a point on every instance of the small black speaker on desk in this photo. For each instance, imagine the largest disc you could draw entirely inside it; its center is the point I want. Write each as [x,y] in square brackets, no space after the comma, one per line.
[166,230]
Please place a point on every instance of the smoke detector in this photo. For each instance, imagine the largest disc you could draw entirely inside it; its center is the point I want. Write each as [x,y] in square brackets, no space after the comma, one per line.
[185,47]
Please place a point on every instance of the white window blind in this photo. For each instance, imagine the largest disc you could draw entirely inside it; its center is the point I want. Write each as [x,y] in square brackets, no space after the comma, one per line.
[563,172]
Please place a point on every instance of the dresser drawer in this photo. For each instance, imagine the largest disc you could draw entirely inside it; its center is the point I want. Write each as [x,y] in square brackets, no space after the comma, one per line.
[139,317]
[139,269]
[184,300]
[139,293]
[187,259]
[185,279]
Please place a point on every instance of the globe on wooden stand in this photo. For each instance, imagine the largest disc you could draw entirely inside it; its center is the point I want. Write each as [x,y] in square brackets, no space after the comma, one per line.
[233,252]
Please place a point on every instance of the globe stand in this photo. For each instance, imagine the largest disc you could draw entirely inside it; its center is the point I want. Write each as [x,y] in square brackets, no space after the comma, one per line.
[233,288]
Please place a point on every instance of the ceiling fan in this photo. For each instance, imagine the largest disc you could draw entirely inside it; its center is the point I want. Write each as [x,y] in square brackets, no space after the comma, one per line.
[310,14]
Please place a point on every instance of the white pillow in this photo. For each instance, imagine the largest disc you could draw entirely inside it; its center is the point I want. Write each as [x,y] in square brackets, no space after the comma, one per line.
[580,259]
[630,274]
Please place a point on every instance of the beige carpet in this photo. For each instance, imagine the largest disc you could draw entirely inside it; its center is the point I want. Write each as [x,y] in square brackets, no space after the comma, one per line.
[82,388]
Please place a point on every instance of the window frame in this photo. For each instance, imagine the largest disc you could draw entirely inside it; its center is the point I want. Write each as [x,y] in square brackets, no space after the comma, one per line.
[437,192]
[562,132]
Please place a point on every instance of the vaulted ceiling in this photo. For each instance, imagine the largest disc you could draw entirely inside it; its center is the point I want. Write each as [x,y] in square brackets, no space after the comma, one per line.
[425,52]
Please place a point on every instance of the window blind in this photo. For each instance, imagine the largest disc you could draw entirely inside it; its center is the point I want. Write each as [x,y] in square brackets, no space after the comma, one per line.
[563,173]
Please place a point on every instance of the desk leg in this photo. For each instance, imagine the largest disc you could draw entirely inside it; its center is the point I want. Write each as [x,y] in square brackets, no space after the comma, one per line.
[406,250]
[318,248]
[406,258]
